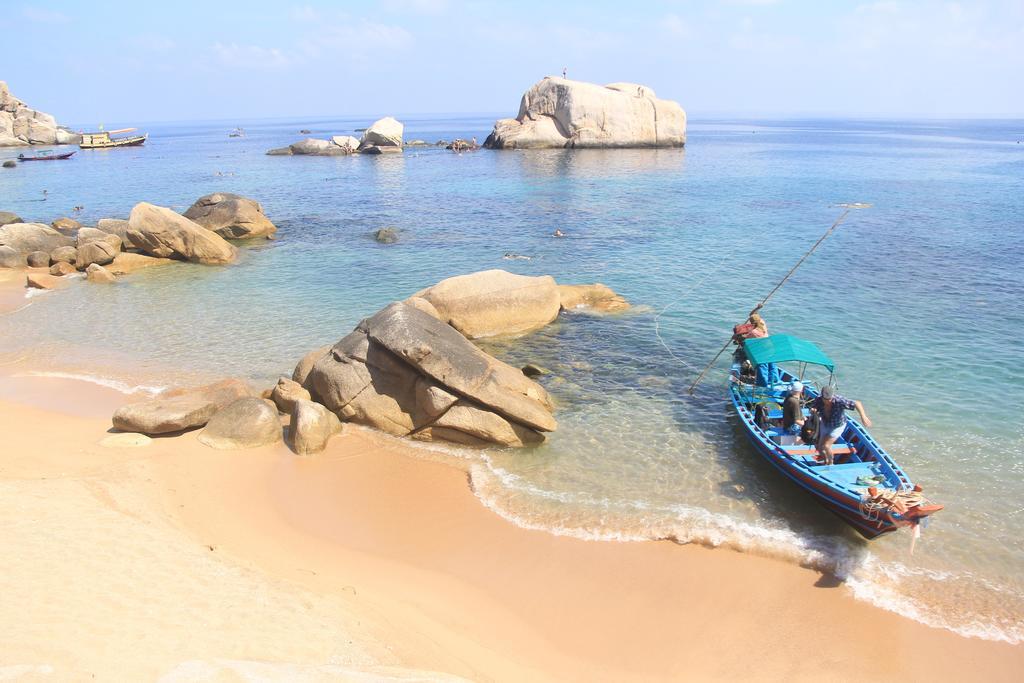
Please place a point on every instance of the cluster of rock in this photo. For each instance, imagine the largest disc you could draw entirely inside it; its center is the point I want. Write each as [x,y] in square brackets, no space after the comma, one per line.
[409,370]
[383,137]
[21,125]
[557,112]
[151,235]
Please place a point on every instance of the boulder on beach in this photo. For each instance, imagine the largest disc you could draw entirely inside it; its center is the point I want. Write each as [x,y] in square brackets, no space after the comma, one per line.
[385,132]
[402,370]
[99,275]
[95,253]
[116,226]
[311,427]
[8,217]
[494,302]
[64,254]
[286,392]
[38,259]
[557,112]
[10,257]
[66,225]
[248,422]
[43,281]
[301,371]
[62,268]
[179,409]
[87,235]
[231,216]
[596,297]
[127,262]
[28,237]
[158,231]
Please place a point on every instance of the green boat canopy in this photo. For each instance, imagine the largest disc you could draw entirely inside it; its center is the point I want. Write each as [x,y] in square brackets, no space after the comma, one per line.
[782,348]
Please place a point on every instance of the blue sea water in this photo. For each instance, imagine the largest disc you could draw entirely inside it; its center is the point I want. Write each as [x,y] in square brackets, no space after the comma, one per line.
[916,298]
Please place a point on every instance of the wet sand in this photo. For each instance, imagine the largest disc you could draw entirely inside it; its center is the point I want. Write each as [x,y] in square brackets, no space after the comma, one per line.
[175,559]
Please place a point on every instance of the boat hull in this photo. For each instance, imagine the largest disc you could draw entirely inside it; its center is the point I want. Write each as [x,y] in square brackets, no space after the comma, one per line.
[133,141]
[51,157]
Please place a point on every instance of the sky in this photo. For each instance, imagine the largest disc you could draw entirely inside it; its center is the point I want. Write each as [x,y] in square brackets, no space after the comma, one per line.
[102,60]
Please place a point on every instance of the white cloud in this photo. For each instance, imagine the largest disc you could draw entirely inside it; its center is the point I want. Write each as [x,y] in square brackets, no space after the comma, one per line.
[251,56]
[676,26]
[43,15]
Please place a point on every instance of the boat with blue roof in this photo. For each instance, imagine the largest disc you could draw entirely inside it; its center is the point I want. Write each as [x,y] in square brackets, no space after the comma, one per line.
[864,486]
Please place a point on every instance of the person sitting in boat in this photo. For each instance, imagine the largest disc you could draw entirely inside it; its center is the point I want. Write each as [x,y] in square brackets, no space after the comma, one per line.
[793,409]
[754,328]
[831,409]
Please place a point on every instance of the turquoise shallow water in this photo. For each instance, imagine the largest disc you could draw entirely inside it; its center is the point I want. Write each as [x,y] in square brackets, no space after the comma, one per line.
[917,299]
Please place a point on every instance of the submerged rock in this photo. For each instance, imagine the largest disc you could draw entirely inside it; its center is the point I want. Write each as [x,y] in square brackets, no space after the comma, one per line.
[311,427]
[43,281]
[10,163]
[386,235]
[557,112]
[248,422]
[179,409]
[231,216]
[596,296]
[161,232]
[126,262]
[494,302]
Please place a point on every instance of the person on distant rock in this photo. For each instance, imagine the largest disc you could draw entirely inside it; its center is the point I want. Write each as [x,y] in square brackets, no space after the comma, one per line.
[564,71]
[831,410]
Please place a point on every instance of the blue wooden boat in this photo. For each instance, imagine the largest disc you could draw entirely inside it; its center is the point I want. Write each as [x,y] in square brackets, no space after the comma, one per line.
[865,487]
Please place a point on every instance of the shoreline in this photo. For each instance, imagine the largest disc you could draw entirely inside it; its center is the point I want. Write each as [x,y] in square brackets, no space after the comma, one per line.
[435,581]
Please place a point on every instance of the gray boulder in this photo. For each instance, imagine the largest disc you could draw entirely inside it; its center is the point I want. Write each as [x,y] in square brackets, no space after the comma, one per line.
[245,423]
[10,258]
[306,364]
[315,146]
[280,152]
[87,235]
[403,370]
[387,235]
[179,409]
[158,231]
[99,253]
[8,217]
[38,259]
[29,237]
[385,132]
[116,226]
[64,255]
[311,427]
[10,163]
[62,268]
[231,216]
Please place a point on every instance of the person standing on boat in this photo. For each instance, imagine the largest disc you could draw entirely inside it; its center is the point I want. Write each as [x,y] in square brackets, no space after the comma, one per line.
[793,409]
[831,409]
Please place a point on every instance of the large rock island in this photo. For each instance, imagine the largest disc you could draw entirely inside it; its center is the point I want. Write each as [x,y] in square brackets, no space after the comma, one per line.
[20,125]
[558,112]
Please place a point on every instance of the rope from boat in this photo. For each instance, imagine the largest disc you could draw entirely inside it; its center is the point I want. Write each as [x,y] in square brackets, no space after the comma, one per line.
[889,500]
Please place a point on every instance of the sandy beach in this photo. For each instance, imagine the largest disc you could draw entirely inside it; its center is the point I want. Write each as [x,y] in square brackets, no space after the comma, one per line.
[174,561]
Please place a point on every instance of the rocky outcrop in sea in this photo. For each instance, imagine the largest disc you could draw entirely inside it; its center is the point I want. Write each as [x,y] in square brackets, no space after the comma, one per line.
[557,112]
[384,136]
[21,125]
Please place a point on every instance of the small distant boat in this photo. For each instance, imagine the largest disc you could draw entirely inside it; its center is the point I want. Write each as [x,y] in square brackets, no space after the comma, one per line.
[237,133]
[102,139]
[867,489]
[45,156]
